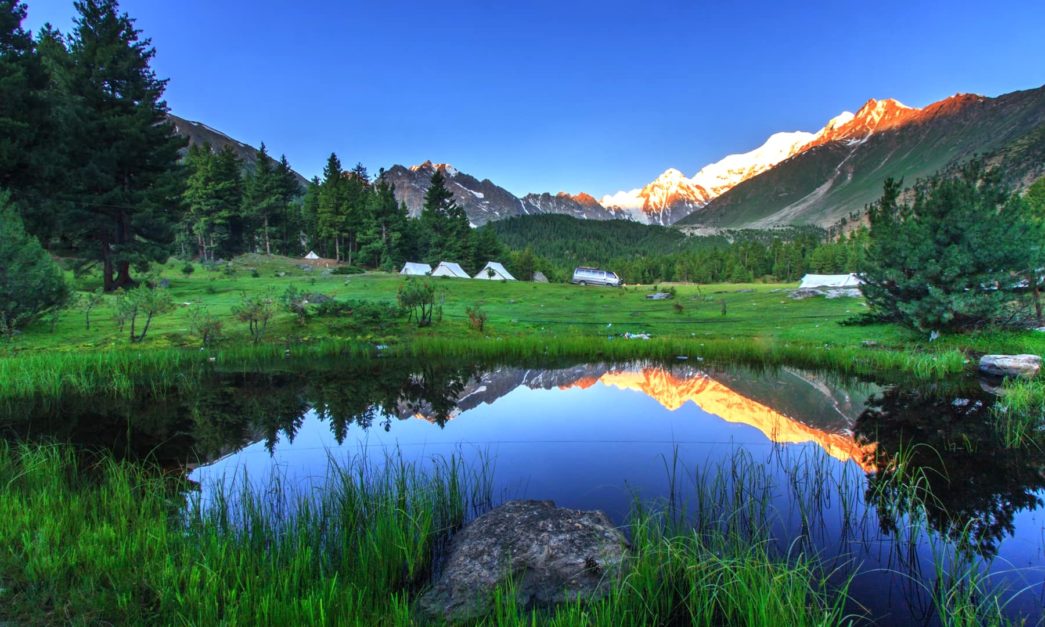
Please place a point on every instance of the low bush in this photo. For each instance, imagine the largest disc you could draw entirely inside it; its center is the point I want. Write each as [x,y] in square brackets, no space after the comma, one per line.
[477,317]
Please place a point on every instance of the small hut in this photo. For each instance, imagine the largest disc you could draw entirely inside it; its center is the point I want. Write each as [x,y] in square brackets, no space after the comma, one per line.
[830,281]
[450,269]
[494,271]
[416,269]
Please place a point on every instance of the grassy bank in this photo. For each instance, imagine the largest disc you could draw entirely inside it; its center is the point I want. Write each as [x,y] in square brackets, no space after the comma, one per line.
[111,546]
[99,541]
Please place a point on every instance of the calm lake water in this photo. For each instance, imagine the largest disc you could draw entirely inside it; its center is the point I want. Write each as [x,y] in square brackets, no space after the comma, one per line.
[822,453]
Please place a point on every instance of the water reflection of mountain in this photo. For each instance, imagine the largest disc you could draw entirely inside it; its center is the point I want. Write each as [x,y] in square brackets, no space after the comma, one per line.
[827,411]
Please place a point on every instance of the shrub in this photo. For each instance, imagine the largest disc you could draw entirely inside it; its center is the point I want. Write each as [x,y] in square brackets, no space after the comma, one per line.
[88,302]
[256,311]
[418,297]
[31,283]
[367,314]
[254,274]
[205,325]
[295,301]
[347,270]
[188,269]
[476,317]
[142,301]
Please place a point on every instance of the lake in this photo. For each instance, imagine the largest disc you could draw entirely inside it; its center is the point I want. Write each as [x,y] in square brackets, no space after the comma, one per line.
[881,480]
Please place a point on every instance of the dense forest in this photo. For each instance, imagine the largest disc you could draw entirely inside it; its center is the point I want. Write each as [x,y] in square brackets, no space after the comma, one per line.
[555,244]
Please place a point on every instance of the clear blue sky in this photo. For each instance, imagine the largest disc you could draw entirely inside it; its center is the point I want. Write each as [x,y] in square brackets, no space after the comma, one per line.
[557,95]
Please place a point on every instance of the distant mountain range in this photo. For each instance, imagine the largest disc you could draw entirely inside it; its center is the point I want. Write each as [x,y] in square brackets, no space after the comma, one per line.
[484,201]
[793,178]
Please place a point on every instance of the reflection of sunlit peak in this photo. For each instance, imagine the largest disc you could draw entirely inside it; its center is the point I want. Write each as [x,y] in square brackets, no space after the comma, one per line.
[715,398]
[583,383]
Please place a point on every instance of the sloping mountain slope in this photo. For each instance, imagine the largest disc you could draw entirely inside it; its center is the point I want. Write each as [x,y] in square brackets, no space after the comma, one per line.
[198,133]
[840,172]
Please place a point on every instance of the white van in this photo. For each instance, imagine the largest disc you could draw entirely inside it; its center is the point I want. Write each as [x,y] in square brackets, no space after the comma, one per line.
[595,276]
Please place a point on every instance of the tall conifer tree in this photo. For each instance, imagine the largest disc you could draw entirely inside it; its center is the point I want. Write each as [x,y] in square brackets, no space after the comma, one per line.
[123,150]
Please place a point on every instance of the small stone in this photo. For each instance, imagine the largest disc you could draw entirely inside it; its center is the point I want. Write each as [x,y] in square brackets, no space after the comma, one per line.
[1025,366]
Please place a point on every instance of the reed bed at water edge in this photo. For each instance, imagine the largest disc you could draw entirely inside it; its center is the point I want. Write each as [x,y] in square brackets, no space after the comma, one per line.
[120,544]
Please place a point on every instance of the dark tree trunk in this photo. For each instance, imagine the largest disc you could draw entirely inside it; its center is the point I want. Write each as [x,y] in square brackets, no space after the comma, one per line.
[1037,296]
[123,275]
[107,268]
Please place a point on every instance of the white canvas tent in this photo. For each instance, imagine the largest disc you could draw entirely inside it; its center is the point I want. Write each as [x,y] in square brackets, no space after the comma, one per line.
[538,277]
[450,269]
[416,269]
[311,255]
[494,271]
[830,281]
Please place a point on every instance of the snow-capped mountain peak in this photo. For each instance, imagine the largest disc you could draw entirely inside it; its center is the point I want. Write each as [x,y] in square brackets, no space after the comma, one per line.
[659,202]
[719,177]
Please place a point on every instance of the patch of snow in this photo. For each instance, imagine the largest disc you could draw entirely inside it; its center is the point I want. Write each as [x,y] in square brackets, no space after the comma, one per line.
[721,176]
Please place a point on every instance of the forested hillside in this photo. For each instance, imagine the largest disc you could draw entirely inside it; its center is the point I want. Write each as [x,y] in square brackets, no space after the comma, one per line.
[555,244]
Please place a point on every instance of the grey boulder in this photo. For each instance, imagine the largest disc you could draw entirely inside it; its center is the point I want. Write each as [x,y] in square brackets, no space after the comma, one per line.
[1026,366]
[551,554]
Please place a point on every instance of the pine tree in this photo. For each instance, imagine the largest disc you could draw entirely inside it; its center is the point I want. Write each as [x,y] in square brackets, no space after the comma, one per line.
[28,148]
[22,83]
[356,186]
[213,197]
[945,261]
[384,235]
[123,152]
[446,232]
[262,200]
[310,213]
[332,205]
[290,193]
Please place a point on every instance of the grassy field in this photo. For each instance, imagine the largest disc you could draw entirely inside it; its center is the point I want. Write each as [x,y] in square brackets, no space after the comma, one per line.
[762,312]
[757,323]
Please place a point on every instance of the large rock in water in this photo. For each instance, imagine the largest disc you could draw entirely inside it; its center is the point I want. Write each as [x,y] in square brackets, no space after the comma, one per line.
[1026,366]
[552,555]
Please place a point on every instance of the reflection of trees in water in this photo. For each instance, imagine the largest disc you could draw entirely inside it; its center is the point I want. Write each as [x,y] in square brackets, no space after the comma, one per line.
[943,456]
[220,415]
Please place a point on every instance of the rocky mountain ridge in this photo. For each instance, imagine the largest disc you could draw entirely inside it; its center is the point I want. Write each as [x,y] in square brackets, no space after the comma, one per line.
[484,201]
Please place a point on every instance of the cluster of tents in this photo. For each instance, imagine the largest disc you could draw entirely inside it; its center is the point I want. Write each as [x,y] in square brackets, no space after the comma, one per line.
[492,271]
